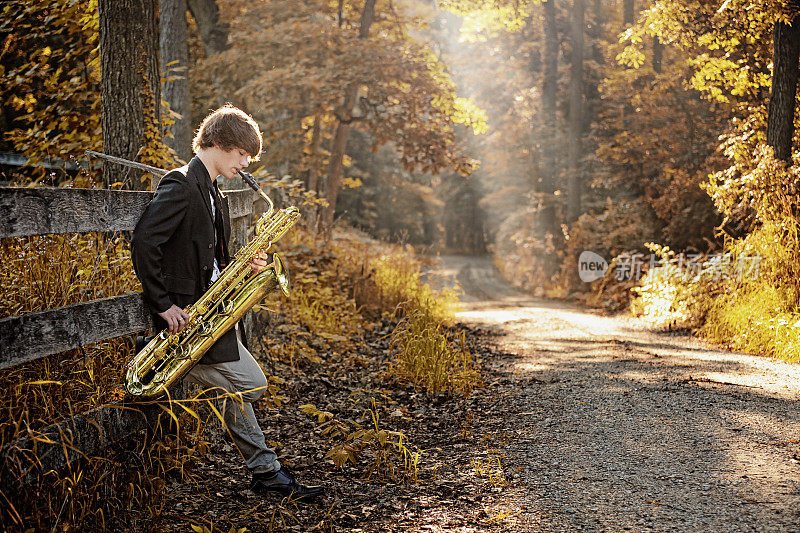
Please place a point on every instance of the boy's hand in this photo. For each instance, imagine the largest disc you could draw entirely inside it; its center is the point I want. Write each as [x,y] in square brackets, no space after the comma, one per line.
[176,318]
[259,262]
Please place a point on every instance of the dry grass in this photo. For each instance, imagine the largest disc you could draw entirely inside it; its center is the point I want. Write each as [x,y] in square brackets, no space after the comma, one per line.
[431,357]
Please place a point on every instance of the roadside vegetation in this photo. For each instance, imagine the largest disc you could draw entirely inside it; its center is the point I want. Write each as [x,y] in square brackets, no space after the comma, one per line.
[742,290]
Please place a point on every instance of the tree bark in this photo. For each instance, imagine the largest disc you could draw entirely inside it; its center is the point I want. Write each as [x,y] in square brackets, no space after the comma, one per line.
[174,44]
[213,33]
[574,182]
[782,101]
[549,92]
[339,145]
[130,84]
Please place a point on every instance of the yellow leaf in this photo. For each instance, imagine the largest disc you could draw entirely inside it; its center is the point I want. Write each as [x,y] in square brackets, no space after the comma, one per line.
[340,455]
[308,409]
[383,436]
[352,183]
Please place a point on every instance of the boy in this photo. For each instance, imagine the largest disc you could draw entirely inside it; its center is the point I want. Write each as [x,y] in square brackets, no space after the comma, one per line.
[179,248]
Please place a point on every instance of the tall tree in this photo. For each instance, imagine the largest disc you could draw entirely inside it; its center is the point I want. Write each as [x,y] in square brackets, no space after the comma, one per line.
[574,180]
[174,45]
[782,101]
[130,84]
[549,92]
[213,32]
[344,118]
[627,13]
[305,66]
[627,21]
[658,55]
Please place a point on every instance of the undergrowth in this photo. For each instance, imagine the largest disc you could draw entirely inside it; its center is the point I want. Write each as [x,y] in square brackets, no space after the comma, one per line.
[386,453]
[48,271]
[399,289]
[52,271]
[431,357]
[761,314]
[754,305]
[338,294]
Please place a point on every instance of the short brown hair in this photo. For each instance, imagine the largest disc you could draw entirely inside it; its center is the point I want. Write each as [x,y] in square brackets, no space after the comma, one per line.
[228,128]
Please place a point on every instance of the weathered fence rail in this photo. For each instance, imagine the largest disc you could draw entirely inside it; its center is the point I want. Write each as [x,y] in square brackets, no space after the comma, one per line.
[35,335]
[81,435]
[41,211]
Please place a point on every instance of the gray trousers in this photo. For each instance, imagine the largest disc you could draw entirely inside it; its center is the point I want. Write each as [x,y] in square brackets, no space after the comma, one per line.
[241,378]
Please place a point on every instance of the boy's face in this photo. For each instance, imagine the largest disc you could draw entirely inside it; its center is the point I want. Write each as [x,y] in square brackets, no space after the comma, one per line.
[228,162]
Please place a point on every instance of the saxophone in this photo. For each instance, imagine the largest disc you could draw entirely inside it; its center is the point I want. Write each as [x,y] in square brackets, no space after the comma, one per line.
[169,356]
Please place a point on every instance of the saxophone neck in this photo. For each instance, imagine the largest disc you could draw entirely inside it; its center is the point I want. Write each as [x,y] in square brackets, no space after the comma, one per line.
[248,179]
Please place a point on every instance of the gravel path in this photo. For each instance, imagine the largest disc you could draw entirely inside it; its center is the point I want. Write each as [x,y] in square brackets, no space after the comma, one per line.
[613,426]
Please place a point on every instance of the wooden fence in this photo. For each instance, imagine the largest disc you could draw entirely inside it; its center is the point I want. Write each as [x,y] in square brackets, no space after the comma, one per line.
[41,211]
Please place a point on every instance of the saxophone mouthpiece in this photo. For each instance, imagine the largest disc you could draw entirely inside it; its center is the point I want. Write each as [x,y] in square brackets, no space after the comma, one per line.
[248,179]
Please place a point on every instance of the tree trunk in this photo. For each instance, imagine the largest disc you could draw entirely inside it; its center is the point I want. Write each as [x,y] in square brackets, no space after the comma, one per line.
[591,87]
[312,176]
[130,84]
[658,55]
[336,166]
[780,120]
[574,183]
[175,61]
[549,92]
[627,21]
[316,139]
[627,13]
[213,33]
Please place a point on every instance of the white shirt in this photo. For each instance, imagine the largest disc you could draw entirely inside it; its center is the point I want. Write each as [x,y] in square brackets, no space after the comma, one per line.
[215,270]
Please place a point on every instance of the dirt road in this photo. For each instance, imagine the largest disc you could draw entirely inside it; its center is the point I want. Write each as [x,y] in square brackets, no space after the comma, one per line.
[610,425]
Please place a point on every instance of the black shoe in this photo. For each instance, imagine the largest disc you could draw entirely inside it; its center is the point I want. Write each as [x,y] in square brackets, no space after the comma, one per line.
[283,482]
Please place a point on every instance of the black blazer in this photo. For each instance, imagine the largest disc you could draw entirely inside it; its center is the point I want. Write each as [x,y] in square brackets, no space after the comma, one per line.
[173,248]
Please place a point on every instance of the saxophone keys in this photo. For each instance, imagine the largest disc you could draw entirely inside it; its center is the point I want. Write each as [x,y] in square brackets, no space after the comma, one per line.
[206,329]
[226,308]
[181,352]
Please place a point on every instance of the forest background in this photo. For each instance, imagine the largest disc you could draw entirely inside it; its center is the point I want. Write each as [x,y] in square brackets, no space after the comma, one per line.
[528,130]
[532,131]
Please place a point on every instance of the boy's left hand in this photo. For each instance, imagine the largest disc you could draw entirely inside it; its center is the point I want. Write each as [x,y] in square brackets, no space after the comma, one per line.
[259,262]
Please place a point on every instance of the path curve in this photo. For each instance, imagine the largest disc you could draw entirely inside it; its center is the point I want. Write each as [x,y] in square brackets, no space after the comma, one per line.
[613,426]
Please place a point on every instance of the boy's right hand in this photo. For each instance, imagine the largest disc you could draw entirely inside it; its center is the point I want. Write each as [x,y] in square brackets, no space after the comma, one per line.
[176,318]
